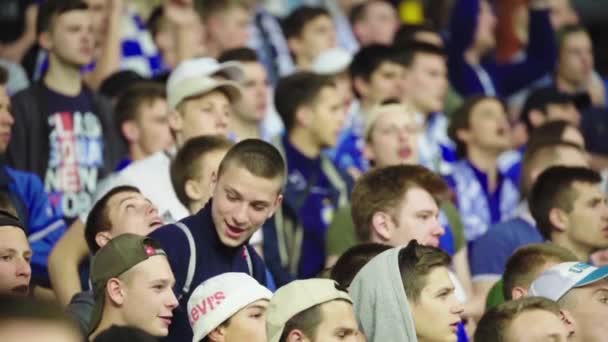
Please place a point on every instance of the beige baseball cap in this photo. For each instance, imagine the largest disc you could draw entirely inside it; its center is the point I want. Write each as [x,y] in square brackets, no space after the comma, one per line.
[296,297]
[190,87]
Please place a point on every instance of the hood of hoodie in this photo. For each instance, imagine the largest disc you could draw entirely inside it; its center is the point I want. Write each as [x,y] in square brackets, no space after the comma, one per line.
[380,301]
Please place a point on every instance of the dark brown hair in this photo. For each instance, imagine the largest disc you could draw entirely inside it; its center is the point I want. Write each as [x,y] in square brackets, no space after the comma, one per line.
[416,262]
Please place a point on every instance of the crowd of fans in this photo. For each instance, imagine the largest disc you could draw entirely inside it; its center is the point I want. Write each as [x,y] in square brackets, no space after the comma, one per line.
[302,170]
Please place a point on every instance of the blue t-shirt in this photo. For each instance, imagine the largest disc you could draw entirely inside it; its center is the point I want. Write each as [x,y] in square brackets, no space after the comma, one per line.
[315,198]
[76,152]
[491,252]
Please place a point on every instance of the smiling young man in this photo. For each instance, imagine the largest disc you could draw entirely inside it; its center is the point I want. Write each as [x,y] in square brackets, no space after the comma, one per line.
[247,191]
[132,282]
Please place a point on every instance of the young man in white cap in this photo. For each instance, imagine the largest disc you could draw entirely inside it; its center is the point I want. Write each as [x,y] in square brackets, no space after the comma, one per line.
[230,307]
[581,290]
[311,310]
[200,101]
[132,282]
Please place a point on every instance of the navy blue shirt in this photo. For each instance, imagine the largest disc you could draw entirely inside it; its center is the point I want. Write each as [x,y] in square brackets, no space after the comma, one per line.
[491,251]
[315,198]
[212,258]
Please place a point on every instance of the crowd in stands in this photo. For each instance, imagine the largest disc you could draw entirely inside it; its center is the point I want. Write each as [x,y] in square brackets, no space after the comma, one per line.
[301,170]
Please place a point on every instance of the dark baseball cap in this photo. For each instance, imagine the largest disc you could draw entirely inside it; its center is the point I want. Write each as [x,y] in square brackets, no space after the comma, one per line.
[115,258]
[540,98]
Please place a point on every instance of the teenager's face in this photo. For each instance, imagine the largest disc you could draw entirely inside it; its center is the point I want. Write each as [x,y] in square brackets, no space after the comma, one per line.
[242,202]
[380,24]
[338,324]
[148,298]
[587,222]
[576,58]
[589,308]
[208,166]
[384,83]
[417,217]
[393,139]
[71,38]
[204,115]
[131,212]
[327,117]
[562,14]
[317,36]
[6,119]
[427,83]
[248,324]
[254,103]
[547,327]
[15,258]
[488,126]
[231,30]
[437,311]
[154,133]
[100,16]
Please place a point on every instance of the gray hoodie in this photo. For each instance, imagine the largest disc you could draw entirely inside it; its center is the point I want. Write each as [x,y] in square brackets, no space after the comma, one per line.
[380,302]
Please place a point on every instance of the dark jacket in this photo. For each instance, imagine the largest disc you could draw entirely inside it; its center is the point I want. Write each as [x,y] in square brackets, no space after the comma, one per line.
[212,258]
[508,78]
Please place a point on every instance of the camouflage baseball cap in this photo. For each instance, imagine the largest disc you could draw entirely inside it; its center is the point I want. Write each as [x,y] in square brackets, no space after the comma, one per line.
[115,258]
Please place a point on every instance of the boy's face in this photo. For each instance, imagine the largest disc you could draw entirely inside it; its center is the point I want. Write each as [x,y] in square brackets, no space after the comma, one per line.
[15,257]
[338,324]
[587,222]
[576,58]
[380,24]
[316,36]
[386,82]
[208,166]
[589,310]
[147,298]
[393,139]
[254,103]
[131,212]
[488,127]
[70,38]
[153,130]
[427,83]
[327,117]
[248,324]
[6,119]
[242,202]
[416,217]
[207,114]
[231,29]
[437,311]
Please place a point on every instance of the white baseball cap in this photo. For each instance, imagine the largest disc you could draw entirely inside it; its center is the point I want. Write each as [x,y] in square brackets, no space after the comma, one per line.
[219,298]
[190,87]
[206,66]
[332,61]
[555,282]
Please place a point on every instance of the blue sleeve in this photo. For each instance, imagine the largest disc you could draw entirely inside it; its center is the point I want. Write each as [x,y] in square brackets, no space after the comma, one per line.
[489,254]
[463,24]
[45,226]
[541,56]
[272,256]
[175,243]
